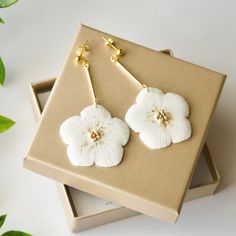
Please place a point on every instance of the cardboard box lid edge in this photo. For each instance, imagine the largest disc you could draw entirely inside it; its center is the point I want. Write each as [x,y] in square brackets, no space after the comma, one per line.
[157,211]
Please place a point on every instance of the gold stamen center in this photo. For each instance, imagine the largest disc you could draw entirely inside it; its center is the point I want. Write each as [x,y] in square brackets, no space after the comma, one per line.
[163,117]
[94,135]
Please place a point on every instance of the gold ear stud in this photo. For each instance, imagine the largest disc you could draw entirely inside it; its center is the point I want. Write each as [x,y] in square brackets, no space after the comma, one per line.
[80,55]
[119,52]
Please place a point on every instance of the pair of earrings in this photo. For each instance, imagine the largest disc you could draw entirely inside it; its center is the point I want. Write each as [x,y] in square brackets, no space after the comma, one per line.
[97,137]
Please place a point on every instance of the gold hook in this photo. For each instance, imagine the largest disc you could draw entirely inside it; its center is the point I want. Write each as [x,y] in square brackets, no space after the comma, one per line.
[80,57]
[119,52]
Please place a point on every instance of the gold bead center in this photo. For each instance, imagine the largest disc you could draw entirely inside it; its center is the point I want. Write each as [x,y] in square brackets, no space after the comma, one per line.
[94,135]
[163,117]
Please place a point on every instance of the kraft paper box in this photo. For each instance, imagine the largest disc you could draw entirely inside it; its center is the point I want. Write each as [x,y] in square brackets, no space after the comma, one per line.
[153,182]
[84,211]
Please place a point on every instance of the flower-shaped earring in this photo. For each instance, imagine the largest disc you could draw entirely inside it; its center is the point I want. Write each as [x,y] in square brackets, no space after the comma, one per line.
[94,136]
[158,118]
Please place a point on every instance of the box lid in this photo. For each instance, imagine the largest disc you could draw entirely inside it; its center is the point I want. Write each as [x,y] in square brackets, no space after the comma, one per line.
[153,182]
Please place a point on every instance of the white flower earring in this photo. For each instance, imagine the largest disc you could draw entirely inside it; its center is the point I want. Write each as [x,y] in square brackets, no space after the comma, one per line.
[94,136]
[160,119]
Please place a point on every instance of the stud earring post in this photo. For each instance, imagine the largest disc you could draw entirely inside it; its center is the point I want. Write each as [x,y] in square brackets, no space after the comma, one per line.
[80,57]
[109,42]
[119,52]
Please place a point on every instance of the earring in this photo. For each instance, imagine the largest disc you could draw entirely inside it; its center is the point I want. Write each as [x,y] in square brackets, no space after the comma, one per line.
[94,136]
[160,119]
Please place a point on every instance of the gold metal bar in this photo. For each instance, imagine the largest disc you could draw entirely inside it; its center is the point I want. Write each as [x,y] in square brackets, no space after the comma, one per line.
[124,70]
[95,100]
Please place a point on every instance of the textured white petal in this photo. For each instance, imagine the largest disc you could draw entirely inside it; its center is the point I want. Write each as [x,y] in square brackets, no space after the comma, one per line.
[150,97]
[116,131]
[154,132]
[136,117]
[94,134]
[108,155]
[94,116]
[155,136]
[80,156]
[180,129]
[72,131]
[175,104]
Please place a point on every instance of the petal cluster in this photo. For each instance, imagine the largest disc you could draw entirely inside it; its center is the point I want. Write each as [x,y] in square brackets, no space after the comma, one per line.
[160,119]
[94,137]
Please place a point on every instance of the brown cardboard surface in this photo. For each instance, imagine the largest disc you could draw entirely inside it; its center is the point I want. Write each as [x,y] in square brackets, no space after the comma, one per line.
[204,181]
[142,181]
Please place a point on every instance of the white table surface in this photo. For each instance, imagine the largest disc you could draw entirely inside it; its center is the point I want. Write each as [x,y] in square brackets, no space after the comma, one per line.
[34,43]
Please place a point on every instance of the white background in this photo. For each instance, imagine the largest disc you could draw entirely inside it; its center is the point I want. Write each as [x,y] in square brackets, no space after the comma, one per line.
[34,43]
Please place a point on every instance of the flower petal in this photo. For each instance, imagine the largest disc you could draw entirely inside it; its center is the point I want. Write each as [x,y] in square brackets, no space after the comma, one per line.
[175,104]
[156,136]
[94,116]
[72,131]
[108,155]
[80,156]
[136,117]
[180,129]
[116,131]
[150,97]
